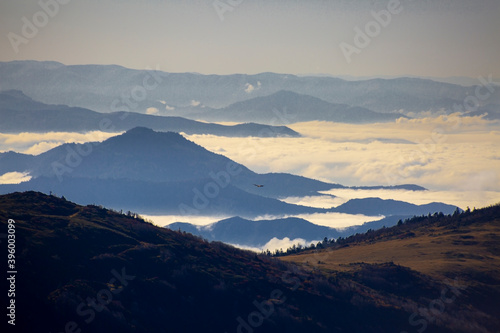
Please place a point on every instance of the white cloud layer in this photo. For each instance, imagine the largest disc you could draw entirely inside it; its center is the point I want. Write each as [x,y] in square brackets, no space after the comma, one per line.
[14,177]
[333,220]
[461,199]
[37,143]
[163,220]
[323,201]
[458,159]
[338,220]
[277,244]
[443,153]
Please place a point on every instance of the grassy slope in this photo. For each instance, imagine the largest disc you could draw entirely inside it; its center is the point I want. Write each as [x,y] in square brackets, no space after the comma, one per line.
[446,247]
[463,248]
[68,255]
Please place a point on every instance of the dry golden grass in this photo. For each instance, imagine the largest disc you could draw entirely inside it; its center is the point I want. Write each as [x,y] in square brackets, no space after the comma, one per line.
[436,251]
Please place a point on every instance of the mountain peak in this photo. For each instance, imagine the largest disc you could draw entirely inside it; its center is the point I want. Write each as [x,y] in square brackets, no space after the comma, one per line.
[141,135]
[139,154]
[15,93]
[14,96]
[15,99]
[139,130]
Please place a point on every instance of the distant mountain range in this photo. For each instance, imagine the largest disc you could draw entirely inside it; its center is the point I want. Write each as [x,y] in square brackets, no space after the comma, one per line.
[286,107]
[377,206]
[19,113]
[240,231]
[490,112]
[145,155]
[245,232]
[459,80]
[256,234]
[109,88]
[160,173]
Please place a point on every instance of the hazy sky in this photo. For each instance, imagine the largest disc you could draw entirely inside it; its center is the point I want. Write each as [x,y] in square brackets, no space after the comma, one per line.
[429,38]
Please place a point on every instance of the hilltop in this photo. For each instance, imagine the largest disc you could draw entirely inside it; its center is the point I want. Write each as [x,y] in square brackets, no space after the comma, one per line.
[77,254]
[100,271]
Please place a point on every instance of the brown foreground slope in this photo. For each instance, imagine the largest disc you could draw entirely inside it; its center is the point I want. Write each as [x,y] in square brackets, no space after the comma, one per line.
[90,269]
[462,251]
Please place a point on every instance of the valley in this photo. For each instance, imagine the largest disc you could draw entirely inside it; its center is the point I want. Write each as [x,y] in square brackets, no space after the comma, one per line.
[249,202]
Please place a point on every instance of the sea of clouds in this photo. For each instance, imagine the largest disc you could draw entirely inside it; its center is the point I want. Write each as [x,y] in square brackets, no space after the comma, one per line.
[456,158]
[445,153]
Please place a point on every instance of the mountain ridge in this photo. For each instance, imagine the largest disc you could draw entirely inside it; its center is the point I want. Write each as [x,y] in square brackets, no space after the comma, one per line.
[181,89]
[162,166]
[287,107]
[20,113]
[257,233]
[159,166]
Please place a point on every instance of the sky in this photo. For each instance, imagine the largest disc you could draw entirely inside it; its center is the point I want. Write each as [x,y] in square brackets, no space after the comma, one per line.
[459,161]
[438,38]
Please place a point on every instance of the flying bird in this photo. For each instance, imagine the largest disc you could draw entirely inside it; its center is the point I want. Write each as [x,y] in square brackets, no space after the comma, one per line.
[258,185]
